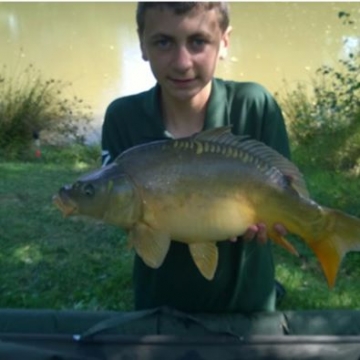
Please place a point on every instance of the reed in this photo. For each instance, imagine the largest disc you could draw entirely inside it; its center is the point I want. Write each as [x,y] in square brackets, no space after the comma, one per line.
[31,105]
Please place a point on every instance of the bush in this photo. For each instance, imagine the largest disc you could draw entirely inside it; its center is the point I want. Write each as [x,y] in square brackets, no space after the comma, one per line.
[30,106]
[324,120]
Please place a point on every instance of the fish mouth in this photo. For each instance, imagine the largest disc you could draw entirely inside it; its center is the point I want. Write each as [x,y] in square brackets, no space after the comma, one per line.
[65,205]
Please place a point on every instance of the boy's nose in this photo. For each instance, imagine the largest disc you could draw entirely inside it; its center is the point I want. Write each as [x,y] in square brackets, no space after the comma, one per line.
[183,59]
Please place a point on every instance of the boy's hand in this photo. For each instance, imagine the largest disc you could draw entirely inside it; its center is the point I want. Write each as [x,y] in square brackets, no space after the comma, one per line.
[258,232]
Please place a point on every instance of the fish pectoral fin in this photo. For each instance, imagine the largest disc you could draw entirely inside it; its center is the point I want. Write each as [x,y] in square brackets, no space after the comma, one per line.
[205,256]
[151,245]
[280,240]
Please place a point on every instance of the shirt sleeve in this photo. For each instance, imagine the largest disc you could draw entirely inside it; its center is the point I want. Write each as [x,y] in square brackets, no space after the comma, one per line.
[274,133]
[106,157]
[256,113]
[111,143]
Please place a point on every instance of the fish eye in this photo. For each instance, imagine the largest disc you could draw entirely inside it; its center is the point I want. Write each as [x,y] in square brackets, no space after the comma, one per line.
[89,190]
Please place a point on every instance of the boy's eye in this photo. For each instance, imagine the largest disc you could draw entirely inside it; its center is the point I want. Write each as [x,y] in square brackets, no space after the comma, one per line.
[198,43]
[162,43]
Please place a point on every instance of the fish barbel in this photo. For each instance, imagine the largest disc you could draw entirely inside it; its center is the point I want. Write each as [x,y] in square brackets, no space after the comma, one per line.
[204,188]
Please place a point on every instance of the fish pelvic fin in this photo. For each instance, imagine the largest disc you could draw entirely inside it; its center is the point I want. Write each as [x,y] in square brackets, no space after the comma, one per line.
[282,241]
[151,245]
[205,256]
[341,235]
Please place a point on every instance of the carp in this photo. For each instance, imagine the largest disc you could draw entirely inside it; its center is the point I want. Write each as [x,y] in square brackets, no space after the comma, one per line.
[207,188]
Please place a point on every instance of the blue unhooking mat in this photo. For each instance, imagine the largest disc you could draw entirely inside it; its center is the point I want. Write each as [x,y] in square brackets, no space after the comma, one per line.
[165,333]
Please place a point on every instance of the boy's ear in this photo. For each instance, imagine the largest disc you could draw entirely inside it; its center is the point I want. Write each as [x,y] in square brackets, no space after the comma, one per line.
[225,42]
[142,47]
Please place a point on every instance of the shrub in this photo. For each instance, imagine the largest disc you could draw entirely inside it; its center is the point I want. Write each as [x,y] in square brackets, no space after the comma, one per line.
[31,105]
[324,120]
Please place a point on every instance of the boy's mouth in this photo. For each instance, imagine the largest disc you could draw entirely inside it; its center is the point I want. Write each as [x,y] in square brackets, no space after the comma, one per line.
[182,82]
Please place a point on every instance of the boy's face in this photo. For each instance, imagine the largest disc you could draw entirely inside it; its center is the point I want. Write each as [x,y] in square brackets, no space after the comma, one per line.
[183,50]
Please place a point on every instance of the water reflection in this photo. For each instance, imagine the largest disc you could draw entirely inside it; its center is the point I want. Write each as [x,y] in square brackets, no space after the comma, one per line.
[94,45]
[351,44]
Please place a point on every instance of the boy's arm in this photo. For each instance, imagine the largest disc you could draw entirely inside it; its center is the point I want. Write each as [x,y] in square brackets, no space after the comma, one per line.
[255,112]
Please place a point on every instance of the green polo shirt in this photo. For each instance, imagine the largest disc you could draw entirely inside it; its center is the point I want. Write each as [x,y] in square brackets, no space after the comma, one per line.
[244,279]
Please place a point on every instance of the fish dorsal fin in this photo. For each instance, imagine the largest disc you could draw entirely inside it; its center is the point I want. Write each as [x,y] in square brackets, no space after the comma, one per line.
[256,152]
[214,134]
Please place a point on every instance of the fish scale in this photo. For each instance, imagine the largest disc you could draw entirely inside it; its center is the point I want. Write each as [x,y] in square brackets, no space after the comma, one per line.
[248,155]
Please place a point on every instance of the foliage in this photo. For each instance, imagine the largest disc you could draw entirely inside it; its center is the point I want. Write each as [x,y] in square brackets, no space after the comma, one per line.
[31,105]
[324,123]
[324,120]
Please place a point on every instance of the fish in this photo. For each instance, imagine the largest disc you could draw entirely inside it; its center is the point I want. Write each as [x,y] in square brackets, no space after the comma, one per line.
[206,188]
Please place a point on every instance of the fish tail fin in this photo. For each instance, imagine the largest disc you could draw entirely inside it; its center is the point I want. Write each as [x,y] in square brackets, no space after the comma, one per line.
[340,235]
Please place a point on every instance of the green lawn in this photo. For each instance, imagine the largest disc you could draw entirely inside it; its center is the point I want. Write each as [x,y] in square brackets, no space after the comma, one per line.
[47,261]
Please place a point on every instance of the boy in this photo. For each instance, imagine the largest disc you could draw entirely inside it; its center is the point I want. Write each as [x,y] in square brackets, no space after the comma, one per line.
[183,42]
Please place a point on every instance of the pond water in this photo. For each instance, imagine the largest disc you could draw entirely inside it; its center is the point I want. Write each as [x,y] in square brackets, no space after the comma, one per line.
[94,45]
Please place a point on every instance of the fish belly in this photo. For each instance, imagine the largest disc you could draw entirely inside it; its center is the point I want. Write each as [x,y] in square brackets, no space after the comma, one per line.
[199,198]
[201,217]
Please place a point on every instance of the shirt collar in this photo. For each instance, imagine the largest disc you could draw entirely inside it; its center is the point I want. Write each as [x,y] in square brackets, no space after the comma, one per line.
[215,112]
[217,106]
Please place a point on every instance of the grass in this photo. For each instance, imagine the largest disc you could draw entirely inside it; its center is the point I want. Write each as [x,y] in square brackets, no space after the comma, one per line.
[306,286]
[47,261]
[303,278]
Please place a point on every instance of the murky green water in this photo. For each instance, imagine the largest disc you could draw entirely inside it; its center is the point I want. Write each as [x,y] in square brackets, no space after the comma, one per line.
[94,45]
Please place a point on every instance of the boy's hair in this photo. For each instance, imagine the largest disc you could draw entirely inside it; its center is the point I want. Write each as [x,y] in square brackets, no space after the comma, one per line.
[180,8]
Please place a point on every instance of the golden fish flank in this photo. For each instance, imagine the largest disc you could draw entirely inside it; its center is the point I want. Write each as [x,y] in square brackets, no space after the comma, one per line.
[204,189]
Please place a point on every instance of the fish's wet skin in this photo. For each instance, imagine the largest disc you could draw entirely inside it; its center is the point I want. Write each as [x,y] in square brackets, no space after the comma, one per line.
[208,188]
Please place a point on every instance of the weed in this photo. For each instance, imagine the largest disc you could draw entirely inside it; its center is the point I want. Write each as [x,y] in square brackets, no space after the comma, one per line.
[31,105]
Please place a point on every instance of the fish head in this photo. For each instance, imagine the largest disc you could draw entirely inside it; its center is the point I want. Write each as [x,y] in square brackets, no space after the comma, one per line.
[81,198]
[90,194]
